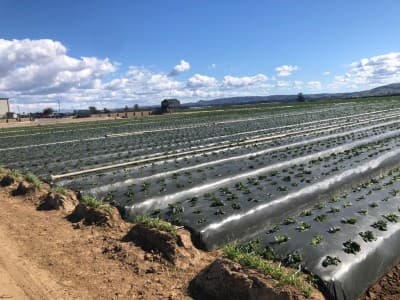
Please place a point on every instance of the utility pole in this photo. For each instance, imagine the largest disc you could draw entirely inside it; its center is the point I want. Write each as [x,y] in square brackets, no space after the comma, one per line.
[59,105]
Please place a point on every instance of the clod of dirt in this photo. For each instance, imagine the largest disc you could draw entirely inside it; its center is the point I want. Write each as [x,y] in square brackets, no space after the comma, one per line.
[386,288]
[95,216]
[177,249]
[24,188]
[57,201]
[123,252]
[225,279]
[7,180]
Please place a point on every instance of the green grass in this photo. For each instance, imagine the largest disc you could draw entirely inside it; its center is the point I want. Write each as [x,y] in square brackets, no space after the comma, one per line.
[157,223]
[14,173]
[253,260]
[95,203]
[91,201]
[33,179]
[60,190]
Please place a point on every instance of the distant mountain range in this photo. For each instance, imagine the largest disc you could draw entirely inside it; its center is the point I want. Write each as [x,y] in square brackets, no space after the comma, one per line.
[385,90]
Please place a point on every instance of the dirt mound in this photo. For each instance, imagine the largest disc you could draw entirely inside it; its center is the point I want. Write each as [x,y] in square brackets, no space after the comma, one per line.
[386,288]
[177,249]
[7,180]
[225,279]
[24,188]
[57,201]
[45,258]
[46,264]
[88,215]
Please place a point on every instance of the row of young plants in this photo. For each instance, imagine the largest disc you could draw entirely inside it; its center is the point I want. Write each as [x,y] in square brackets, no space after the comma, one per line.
[136,185]
[349,240]
[266,121]
[60,164]
[86,155]
[47,134]
[233,152]
[221,202]
[105,157]
[100,145]
[154,121]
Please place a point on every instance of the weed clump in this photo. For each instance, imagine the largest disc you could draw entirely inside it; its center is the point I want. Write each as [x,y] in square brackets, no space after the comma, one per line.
[32,179]
[95,203]
[250,257]
[157,223]
[60,190]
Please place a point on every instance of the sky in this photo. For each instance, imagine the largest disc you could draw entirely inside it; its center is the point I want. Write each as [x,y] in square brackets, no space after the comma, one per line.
[116,53]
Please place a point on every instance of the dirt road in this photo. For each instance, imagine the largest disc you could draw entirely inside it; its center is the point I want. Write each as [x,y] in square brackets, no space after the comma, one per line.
[20,277]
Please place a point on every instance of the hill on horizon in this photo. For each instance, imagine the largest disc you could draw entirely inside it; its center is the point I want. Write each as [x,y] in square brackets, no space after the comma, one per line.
[385,90]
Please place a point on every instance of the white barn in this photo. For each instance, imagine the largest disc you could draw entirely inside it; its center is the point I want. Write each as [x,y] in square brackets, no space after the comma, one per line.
[4,107]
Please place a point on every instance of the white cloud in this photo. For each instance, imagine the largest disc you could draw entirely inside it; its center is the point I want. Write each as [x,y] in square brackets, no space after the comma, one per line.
[373,71]
[183,66]
[199,81]
[314,85]
[37,73]
[140,81]
[25,52]
[326,73]
[212,67]
[298,84]
[281,83]
[246,81]
[285,70]
[42,66]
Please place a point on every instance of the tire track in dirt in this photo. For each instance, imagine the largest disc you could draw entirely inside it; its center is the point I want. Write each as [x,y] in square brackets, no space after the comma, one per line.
[20,278]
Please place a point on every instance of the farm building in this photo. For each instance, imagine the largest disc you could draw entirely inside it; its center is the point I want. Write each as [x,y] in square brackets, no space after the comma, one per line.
[169,105]
[4,107]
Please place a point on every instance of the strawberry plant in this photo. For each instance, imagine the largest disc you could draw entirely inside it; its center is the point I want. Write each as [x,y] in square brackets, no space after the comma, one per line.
[381,225]
[367,236]
[316,240]
[351,247]
[280,239]
[331,261]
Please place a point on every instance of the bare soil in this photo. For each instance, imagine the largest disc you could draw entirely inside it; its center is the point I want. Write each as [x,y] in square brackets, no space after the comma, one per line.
[42,256]
[388,287]
[49,121]
[225,279]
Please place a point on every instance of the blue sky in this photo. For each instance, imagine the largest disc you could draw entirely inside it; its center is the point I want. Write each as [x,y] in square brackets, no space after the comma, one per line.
[112,53]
